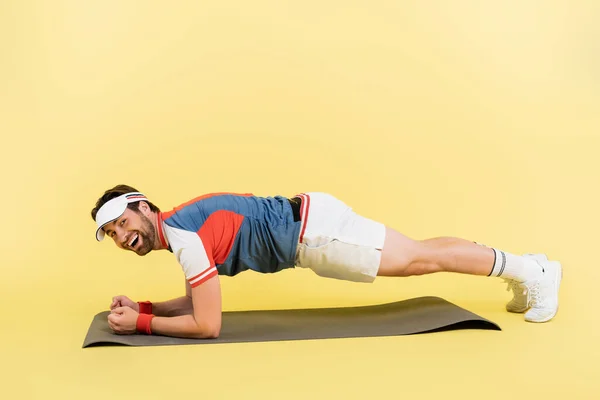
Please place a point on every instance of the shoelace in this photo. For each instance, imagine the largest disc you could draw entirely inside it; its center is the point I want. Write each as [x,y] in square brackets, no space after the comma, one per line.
[515,286]
[538,295]
[534,290]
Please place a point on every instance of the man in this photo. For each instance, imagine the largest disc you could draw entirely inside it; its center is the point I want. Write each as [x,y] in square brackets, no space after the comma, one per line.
[225,234]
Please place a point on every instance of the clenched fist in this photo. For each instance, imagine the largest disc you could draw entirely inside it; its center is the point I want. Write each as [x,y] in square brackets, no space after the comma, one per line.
[122,320]
[124,301]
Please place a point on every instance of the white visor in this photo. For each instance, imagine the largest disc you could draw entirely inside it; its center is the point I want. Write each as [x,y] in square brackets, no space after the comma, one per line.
[113,209]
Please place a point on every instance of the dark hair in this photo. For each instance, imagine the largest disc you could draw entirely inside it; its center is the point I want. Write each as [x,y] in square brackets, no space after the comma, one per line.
[116,192]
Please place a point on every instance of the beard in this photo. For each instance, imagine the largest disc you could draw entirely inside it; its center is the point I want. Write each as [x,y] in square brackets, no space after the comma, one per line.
[148,235]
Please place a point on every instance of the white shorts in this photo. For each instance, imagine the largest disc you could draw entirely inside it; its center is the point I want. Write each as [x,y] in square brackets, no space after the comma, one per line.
[335,242]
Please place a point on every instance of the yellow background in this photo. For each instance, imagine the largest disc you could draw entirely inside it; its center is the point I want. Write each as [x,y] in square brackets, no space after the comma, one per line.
[470,119]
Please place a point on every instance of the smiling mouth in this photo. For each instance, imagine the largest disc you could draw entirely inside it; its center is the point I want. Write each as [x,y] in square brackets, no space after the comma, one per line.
[134,240]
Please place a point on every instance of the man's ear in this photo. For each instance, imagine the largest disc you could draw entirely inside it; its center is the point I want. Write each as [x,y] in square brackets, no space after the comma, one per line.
[144,208]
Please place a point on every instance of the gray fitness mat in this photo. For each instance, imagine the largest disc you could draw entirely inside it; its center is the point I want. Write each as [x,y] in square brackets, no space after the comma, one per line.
[418,315]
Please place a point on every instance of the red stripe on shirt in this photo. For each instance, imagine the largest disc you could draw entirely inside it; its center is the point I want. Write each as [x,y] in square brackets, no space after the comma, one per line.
[161,233]
[195,277]
[209,269]
[207,277]
[304,214]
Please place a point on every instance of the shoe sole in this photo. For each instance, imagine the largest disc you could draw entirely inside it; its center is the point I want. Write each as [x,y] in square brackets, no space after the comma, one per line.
[558,277]
[517,310]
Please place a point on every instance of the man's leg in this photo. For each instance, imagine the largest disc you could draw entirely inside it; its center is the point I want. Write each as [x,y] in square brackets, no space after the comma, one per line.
[538,279]
[403,256]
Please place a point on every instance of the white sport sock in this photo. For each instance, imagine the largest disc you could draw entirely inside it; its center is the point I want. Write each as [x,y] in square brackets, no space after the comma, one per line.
[514,267]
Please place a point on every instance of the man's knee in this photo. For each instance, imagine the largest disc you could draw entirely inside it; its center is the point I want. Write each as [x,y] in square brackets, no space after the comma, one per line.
[403,256]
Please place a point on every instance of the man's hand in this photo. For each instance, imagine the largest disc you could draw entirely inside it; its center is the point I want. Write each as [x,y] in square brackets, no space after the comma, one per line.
[124,301]
[122,320]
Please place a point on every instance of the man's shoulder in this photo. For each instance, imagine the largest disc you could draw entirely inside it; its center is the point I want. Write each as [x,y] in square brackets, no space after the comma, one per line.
[180,237]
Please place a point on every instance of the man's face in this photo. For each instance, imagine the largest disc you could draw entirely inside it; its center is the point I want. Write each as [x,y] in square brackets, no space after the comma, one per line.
[132,231]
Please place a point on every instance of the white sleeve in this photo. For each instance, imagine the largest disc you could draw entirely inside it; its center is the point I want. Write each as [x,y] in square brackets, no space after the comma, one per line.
[189,250]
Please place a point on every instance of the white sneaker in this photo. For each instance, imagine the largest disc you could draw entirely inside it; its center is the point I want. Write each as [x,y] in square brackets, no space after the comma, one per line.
[543,293]
[520,300]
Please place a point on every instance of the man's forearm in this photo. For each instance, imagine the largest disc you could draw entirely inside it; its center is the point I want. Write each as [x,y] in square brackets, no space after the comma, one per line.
[184,326]
[175,307]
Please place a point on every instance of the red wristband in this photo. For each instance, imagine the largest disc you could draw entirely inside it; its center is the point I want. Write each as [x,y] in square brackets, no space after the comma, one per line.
[145,307]
[144,323]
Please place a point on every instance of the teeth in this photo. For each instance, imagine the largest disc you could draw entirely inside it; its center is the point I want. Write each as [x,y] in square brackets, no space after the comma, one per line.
[133,239]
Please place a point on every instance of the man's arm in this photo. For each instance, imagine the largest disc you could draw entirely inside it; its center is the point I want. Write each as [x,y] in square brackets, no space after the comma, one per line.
[204,322]
[205,291]
[175,307]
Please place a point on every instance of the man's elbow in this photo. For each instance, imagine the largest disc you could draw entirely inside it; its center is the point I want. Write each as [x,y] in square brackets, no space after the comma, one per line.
[212,332]
[208,331]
